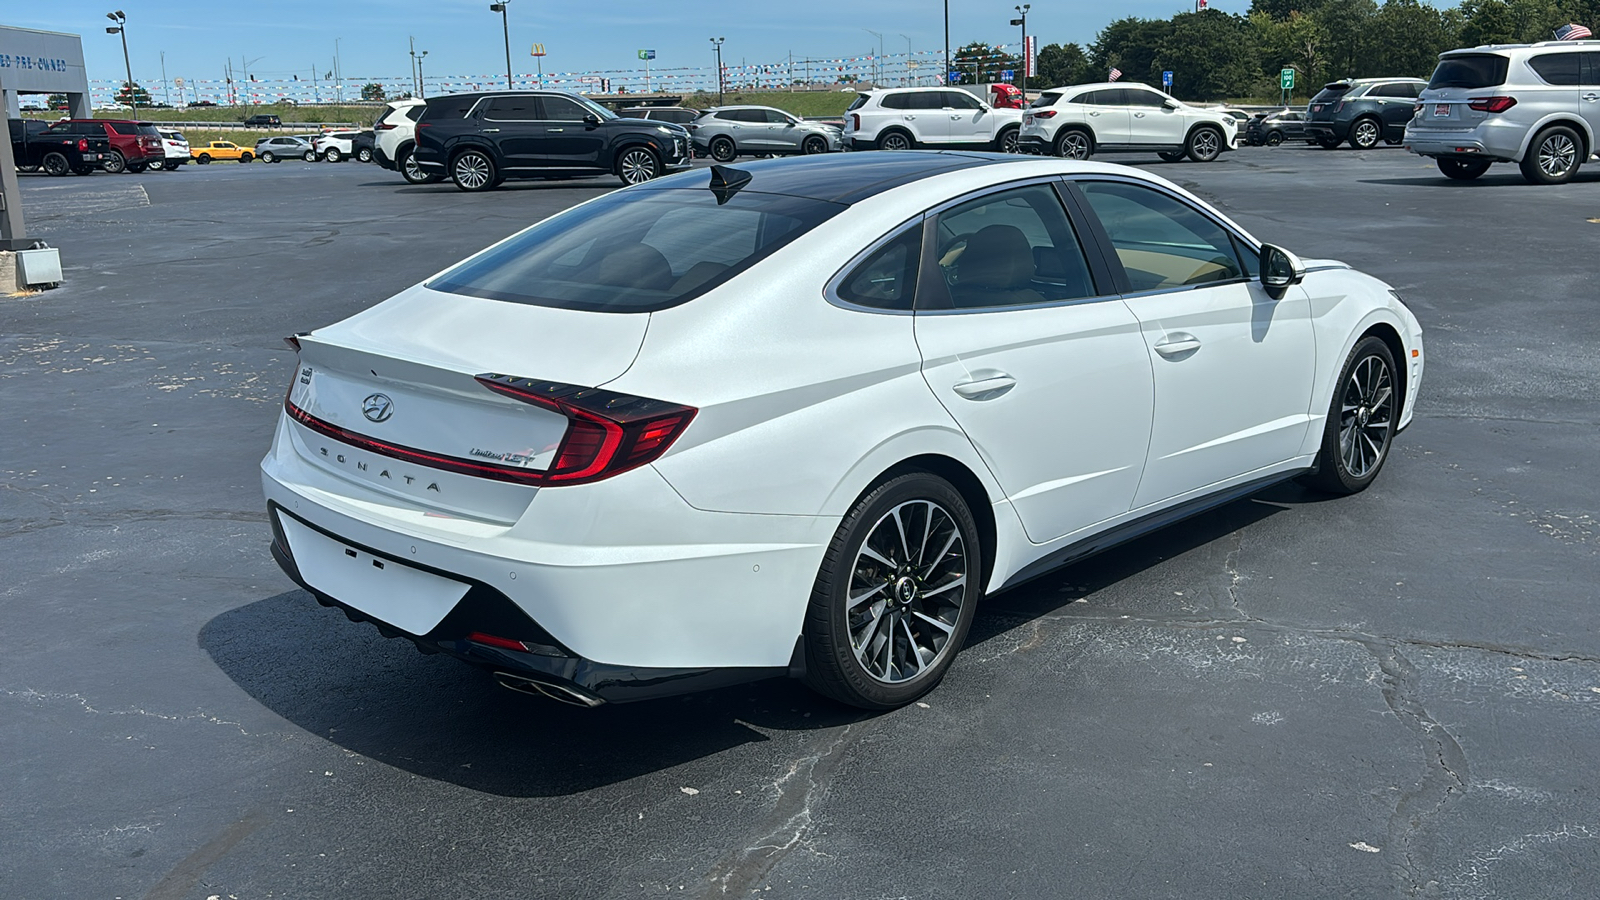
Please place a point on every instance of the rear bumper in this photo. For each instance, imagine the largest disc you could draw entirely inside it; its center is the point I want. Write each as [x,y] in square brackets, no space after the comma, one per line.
[382,158]
[1033,143]
[1337,131]
[1476,143]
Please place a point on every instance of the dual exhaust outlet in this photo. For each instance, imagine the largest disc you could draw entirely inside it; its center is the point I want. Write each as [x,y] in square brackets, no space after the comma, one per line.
[525,685]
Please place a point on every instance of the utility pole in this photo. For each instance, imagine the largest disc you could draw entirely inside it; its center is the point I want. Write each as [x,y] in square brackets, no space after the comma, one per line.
[505,28]
[716,43]
[121,28]
[910,64]
[338,73]
[945,77]
[165,96]
[414,87]
[247,64]
[1022,20]
[877,68]
[422,85]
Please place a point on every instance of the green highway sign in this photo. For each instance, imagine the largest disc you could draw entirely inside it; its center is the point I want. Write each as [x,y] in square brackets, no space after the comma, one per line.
[1287,77]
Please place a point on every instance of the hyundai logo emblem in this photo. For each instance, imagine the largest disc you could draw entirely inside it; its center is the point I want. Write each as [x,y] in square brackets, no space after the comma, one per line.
[377,407]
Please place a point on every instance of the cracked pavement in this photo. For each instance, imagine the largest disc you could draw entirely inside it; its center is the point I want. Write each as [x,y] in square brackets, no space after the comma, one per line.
[1390,695]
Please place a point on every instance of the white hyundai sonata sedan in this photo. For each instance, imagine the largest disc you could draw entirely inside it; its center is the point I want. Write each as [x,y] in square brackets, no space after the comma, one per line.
[799,416]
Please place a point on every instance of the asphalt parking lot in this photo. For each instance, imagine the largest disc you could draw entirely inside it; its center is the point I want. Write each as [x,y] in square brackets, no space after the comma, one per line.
[1395,694]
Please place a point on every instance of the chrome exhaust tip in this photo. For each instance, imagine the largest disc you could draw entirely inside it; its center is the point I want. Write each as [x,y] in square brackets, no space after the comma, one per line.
[558,692]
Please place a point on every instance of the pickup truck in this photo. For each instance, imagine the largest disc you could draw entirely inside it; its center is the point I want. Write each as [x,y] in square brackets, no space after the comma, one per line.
[36,145]
[221,150]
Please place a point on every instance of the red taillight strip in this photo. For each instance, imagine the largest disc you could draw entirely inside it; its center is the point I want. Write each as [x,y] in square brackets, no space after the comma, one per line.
[413,455]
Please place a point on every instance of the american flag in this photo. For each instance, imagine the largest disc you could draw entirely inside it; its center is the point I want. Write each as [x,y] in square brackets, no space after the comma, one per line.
[1115,74]
[1573,33]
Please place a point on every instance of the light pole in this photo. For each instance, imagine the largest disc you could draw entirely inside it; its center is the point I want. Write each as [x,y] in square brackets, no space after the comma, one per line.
[716,43]
[247,80]
[338,73]
[121,28]
[422,85]
[505,28]
[877,68]
[910,64]
[944,78]
[1022,19]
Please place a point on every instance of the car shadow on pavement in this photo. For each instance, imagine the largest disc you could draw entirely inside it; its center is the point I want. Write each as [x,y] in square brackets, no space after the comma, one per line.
[1500,176]
[438,718]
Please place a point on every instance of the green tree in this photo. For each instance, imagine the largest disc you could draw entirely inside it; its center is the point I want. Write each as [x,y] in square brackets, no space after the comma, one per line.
[1212,56]
[1064,64]
[1281,10]
[1130,44]
[1347,24]
[1407,38]
[979,63]
[132,93]
[372,91]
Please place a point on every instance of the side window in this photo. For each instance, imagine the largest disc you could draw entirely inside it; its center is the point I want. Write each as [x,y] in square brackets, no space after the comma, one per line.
[124,128]
[1591,69]
[1161,241]
[896,101]
[1009,248]
[560,109]
[512,109]
[1106,97]
[774,117]
[926,100]
[1558,68]
[961,100]
[753,116]
[1137,97]
[888,278]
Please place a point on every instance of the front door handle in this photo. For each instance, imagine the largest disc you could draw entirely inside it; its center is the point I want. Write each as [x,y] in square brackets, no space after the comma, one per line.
[554,130]
[1178,343]
[986,388]
[1591,96]
[1138,115]
[489,130]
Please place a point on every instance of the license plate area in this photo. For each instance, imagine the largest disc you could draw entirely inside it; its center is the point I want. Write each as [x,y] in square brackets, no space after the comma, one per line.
[1441,111]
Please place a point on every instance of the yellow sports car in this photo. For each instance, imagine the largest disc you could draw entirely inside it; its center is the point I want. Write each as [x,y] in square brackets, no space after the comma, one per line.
[221,150]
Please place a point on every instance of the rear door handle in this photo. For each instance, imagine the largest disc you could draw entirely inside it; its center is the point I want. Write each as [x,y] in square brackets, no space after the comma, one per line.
[489,130]
[1177,344]
[1591,96]
[1138,115]
[554,130]
[986,388]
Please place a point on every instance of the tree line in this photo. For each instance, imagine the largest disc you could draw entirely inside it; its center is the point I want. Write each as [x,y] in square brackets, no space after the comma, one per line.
[1215,55]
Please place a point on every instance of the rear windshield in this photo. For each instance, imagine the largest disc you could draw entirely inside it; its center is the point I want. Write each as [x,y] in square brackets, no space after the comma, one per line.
[858,102]
[1047,99]
[1479,70]
[636,251]
[149,131]
[1331,92]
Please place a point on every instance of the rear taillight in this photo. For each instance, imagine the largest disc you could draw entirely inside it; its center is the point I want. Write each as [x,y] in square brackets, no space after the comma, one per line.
[1338,106]
[1492,104]
[607,433]
[83,144]
[1043,114]
[382,126]
[855,121]
[1416,107]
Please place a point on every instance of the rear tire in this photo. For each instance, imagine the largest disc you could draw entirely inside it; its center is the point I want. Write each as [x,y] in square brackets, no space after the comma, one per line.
[723,150]
[896,140]
[1362,418]
[56,164]
[309,156]
[332,154]
[473,171]
[1462,169]
[114,163]
[884,588]
[1204,144]
[1328,143]
[1274,139]
[1553,156]
[364,155]
[136,168]
[1074,143]
[268,157]
[1006,141]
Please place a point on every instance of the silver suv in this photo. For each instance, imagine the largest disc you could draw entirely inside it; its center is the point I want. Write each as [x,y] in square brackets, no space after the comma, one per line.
[727,132]
[1537,105]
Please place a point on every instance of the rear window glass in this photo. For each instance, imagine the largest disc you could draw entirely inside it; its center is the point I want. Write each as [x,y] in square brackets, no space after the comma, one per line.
[1558,68]
[636,251]
[859,101]
[1047,99]
[1479,70]
[124,127]
[1331,92]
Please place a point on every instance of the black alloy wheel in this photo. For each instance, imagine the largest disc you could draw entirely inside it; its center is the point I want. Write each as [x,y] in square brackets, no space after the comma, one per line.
[814,144]
[1462,169]
[27,168]
[204,159]
[1074,143]
[1007,141]
[1274,139]
[473,170]
[56,164]
[114,163]
[245,157]
[1361,420]
[723,149]
[1553,157]
[1204,144]
[895,140]
[895,596]
[170,165]
[1365,134]
[638,165]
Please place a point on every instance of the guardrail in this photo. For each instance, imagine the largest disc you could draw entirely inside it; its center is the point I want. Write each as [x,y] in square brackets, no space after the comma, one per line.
[287,127]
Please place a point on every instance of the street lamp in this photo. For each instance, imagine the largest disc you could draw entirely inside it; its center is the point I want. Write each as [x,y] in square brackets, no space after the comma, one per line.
[505,28]
[121,28]
[945,77]
[716,42]
[1022,19]
[422,86]
[910,61]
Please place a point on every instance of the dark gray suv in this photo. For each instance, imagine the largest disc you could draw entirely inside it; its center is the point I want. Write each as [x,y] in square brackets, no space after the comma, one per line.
[1362,111]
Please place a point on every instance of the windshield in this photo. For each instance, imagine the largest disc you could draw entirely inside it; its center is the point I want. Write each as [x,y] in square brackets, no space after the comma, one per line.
[1479,70]
[636,251]
[594,107]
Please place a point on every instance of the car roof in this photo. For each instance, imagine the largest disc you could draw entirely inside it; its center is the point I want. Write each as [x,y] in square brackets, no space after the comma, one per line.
[840,177]
[744,106]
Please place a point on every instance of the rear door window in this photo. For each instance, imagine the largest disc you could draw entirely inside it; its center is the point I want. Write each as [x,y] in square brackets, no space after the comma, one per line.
[513,109]
[648,251]
[896,101]
[926,100]
[1473,70]
[1137,97]
[1564,69]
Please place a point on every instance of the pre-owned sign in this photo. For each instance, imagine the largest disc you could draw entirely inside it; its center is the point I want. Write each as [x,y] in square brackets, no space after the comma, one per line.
[41,62]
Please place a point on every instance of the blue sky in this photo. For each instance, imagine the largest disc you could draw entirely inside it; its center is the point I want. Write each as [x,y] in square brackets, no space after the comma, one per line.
[464,37]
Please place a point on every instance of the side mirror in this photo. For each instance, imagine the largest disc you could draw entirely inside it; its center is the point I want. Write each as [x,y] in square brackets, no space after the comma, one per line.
[1280,269]
[591,119]
[1171,104]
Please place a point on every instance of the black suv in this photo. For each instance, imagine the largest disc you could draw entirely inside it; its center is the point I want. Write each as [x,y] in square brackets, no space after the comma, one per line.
[263,121]
[1362,111]
[479,140]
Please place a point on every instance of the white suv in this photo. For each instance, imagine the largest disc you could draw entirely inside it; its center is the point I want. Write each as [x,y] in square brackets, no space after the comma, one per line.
[395,136]
[914,117]
[1537,105]
[1079,121]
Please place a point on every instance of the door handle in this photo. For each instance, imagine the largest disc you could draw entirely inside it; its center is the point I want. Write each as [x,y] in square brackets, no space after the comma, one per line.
[1094,113]
[1591,96]
[554,130]
[910,118]
[986,388]
[1178,343]
[488,130]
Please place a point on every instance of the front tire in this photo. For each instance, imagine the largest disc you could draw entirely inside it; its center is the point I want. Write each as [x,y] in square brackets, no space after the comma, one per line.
[473,171]
[137,168]
[114,163]
[1361,420]
[1006,142]
[1074,143]
[56,164]
[1553,157]
[204,159]
[170,165]
[1365,134]
[895,596]
[332,154]
[364,155]
[814,145]
[1462,169]
[723,150]
[1204,144]
[638,165]
[1274,139]
[309,156]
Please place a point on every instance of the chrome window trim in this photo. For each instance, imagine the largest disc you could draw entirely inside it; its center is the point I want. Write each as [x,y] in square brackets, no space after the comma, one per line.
[830,291]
